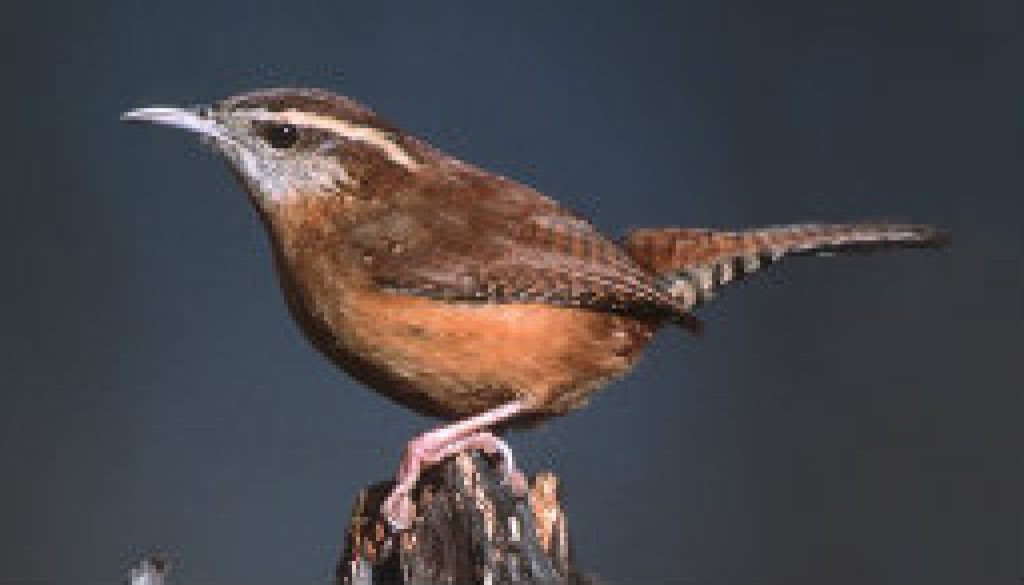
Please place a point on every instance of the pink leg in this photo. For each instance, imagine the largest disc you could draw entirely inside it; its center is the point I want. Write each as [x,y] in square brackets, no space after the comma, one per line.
[432,447]
[491,445]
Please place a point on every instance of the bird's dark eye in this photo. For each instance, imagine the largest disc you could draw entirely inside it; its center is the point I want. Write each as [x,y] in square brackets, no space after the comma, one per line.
[281,135]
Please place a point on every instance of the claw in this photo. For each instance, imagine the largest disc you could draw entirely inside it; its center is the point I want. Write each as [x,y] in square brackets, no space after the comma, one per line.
[399,511]
[517,482]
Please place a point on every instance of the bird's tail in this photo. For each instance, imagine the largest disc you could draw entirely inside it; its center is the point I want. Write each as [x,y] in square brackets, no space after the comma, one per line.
[695,263]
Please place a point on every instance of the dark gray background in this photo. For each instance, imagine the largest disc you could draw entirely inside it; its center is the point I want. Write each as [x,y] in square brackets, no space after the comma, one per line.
[854,420]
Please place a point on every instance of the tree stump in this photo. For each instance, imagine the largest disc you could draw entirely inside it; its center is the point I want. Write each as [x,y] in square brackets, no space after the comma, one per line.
[469,528]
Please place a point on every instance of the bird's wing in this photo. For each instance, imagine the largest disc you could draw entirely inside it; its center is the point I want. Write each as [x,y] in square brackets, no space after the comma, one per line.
[497,241]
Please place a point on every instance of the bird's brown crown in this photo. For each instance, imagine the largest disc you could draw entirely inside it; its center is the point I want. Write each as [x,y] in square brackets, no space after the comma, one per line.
[316,102]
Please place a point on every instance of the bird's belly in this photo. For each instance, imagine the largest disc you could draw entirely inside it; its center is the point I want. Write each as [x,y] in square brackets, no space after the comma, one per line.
[456,359]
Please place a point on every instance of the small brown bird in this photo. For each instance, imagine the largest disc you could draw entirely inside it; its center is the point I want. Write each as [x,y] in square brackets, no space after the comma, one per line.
[459,293]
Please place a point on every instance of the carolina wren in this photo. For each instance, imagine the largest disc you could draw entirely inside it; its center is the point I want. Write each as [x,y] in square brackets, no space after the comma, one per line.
[459,293]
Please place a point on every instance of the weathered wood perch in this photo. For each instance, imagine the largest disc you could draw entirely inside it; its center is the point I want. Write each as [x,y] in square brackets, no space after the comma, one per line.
[470,529]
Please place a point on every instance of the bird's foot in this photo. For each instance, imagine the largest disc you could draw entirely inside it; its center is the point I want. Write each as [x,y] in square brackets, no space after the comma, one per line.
[429,449]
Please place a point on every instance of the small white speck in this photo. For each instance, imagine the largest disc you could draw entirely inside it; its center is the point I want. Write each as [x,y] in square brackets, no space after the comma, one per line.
[148,572]
[513,529]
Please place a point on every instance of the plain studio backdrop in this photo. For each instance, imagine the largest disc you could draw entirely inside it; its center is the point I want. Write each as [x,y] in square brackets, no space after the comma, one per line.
[845,420]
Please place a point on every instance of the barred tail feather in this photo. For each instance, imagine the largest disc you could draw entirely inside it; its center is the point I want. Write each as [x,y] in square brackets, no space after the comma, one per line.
[695,263]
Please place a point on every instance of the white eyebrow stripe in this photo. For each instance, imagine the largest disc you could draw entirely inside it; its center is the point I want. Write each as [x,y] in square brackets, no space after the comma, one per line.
[365,134]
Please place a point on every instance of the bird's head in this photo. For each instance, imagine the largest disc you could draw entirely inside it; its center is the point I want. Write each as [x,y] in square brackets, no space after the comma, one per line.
[290,144]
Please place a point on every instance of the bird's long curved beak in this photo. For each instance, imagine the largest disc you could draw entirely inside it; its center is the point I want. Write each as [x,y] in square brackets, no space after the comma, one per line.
[191,119]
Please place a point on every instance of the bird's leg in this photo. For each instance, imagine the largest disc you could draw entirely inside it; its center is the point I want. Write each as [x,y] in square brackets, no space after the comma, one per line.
[433,446]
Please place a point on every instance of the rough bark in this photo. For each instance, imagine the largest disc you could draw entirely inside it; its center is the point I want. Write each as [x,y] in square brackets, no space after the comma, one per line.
[470,528]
